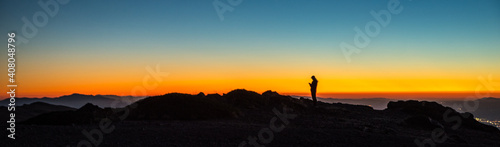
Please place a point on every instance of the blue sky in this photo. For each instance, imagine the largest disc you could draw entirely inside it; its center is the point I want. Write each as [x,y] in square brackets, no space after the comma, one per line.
[453,36]
[322,23]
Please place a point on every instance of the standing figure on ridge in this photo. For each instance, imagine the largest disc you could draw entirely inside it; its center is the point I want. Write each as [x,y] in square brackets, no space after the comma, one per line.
[313,86]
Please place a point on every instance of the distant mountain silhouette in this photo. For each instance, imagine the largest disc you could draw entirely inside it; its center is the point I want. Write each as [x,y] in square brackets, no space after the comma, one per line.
[488,108]
[76,100]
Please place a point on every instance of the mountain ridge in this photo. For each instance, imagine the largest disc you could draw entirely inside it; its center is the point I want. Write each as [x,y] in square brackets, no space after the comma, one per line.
[178,119]
[77,100]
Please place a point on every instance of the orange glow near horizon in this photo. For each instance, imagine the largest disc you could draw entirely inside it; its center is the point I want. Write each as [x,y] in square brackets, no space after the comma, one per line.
[328,88]
[124,77]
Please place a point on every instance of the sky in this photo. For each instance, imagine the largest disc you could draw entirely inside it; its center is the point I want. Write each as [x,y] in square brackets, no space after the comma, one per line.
[107,47]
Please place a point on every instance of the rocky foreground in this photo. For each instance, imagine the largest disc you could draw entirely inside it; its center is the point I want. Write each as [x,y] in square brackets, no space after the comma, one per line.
[246,118]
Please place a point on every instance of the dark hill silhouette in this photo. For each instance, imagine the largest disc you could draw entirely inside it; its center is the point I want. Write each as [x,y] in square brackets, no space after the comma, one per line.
[230,118]
[244,99]
[375,103]
[488,108]
[176,106]
[432,115]
[30,110]
[87,114]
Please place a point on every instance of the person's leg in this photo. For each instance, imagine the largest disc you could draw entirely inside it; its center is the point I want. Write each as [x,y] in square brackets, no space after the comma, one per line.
[313,94]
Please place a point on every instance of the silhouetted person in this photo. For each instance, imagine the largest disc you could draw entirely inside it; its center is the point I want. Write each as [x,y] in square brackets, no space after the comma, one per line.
[314,85]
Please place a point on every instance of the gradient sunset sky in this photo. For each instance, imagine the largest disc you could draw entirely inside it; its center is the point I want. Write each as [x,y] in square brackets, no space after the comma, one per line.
[104,47]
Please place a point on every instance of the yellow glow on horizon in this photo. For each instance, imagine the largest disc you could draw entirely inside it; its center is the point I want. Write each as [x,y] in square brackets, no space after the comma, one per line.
[39,87]
[97,74]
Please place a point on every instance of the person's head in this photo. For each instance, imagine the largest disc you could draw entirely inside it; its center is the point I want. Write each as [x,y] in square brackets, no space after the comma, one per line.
[313,77]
